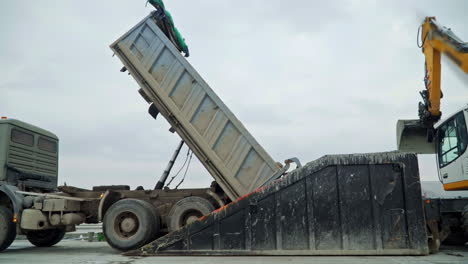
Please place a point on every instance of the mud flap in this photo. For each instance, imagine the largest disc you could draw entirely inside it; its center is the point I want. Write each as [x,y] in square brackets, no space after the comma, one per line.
[361,204]
[413,137]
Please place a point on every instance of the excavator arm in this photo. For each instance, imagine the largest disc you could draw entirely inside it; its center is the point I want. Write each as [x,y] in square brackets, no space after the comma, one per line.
[435,40]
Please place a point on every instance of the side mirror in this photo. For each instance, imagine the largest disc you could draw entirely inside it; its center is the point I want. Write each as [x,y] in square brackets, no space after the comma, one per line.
[153,111]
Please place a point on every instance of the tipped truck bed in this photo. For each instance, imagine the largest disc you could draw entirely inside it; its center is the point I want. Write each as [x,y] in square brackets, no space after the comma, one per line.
[219,140]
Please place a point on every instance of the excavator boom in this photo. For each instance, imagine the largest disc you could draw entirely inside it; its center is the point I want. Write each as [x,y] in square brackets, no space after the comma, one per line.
[437,40]
[417,135]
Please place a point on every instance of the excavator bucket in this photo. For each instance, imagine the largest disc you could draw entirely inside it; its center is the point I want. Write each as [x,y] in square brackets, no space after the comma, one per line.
[360,204]
[413,137]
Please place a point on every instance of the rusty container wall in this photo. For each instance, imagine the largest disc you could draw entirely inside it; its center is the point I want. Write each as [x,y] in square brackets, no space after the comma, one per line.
[361,204]
[219,140]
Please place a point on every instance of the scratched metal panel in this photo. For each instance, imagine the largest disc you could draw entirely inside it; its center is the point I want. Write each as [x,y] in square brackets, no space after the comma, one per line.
[220,141]
[361,204]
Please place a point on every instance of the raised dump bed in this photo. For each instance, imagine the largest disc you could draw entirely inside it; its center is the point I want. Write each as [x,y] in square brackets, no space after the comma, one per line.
[219,140]
[361,204]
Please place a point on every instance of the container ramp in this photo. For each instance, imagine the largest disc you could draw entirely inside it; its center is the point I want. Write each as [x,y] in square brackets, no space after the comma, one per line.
[360,204]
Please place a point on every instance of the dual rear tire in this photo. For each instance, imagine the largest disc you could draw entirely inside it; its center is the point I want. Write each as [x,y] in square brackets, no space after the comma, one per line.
[187,211]
[130,223]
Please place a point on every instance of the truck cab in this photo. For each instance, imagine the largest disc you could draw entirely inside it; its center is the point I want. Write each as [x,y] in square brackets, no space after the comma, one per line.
[28,165]
[28,156]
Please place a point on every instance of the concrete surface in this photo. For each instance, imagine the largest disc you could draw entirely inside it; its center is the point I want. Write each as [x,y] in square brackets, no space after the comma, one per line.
[80,233]
[72,251]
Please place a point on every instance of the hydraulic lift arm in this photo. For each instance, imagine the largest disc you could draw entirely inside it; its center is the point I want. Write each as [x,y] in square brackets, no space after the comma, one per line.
[437,40]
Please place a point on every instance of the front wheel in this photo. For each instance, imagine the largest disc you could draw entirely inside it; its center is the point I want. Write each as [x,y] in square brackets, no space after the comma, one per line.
[7,228]
[45,238]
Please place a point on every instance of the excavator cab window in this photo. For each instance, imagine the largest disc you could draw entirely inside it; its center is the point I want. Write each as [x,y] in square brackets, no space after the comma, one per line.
[452,139]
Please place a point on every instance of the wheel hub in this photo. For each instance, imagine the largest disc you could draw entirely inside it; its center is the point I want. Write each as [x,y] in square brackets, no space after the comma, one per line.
[128,225]
[191,219]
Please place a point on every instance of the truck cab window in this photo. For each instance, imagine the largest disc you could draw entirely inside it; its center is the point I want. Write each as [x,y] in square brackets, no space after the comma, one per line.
[21,137]
[452,140]
[47,145]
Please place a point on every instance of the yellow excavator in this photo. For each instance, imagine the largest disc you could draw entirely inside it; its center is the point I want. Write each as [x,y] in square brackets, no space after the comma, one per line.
[448,139]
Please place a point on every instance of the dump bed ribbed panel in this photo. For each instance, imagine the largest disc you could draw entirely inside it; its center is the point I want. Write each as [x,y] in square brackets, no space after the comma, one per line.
[225,147]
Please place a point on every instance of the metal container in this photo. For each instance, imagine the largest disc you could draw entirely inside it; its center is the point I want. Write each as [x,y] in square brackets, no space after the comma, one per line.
[219,140]
[362,204]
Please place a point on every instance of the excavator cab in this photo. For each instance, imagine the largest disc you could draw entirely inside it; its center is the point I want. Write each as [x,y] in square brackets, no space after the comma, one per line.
[451,140]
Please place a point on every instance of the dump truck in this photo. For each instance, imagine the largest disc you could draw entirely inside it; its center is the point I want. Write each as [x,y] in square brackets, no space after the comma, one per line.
[344,204]
[32,204]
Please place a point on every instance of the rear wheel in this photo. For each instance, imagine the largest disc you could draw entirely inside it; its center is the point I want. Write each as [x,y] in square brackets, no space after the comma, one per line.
[45,238]
[433,236]
[465,222]
[188,210]
[7,228]
[129,224]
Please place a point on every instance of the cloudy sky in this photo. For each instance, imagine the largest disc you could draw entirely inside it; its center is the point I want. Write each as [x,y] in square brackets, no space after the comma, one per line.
[307,78]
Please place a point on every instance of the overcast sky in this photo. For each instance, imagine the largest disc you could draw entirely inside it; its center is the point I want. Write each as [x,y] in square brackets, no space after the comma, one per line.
[307,78]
